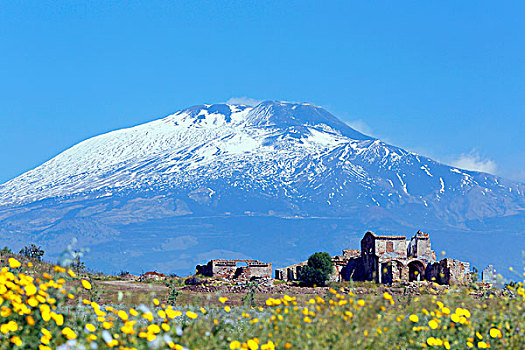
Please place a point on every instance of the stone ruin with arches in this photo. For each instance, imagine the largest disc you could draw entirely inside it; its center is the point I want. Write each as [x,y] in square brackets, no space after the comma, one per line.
[389,259]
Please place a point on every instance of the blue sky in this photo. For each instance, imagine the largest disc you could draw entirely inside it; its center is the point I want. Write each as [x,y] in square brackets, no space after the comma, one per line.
[443,79]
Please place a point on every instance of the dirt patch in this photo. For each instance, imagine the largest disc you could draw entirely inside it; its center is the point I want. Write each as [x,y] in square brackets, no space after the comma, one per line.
[281,289]
[134,286]
[129,292]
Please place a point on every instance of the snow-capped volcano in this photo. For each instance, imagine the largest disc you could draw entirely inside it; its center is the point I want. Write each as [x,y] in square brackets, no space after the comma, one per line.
[276,159]
[192,145]
[286,149]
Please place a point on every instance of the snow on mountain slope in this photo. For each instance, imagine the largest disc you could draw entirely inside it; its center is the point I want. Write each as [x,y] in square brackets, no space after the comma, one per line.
[292,150]
[198,141]
[274,182]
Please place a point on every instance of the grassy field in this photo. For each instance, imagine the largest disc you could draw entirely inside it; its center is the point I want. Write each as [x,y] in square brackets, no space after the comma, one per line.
[47,307]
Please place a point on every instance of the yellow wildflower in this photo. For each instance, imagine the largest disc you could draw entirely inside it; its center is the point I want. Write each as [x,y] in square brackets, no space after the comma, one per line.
[433,324]
[434,341]
[153,328]
[252,344]
[235,345]
[413,318]
[495,333]
[68,333]
[123,315]
[30,320]
[86,284]
[16,340]
[191,315]
[14,263]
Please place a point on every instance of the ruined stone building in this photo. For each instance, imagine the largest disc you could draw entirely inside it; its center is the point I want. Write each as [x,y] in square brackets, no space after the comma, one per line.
[291,273]
[388,259]
[237,269]
[488,275]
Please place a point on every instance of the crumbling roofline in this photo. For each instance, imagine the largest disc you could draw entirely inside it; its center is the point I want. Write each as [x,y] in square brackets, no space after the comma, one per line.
[233,262]
[386,236]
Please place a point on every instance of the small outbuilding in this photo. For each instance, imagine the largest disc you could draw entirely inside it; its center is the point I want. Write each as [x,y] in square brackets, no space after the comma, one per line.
[235,269]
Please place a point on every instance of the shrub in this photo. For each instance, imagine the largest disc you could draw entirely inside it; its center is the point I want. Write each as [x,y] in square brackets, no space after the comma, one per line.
[318,270]
[173,293]
[32,252]
[77,264]
[249,298]
[192,281]
[123,273]
[5,250]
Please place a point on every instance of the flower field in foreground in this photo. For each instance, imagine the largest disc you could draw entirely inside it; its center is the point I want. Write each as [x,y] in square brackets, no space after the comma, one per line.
[51,311]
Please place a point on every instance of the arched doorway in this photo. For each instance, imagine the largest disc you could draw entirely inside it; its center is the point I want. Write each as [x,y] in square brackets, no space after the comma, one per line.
[416,271]
[386,272]
[391,271]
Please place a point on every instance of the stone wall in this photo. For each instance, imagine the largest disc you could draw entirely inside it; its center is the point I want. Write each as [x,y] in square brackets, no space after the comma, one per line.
[340,263]
[448,271]
[419,247]
[395,246]
[367,268]
[231,270]
[488,275]
[290,273]
[351,253]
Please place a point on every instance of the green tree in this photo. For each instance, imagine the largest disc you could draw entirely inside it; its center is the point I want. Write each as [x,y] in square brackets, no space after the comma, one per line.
[32,252]
[77,264]
[318,270]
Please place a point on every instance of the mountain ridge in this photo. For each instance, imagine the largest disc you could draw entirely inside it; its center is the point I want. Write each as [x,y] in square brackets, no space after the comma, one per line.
[276,159]
[372,149]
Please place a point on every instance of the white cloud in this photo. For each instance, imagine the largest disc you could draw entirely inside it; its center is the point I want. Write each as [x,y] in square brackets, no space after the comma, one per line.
[360,126]
[243,101]
[473,161]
